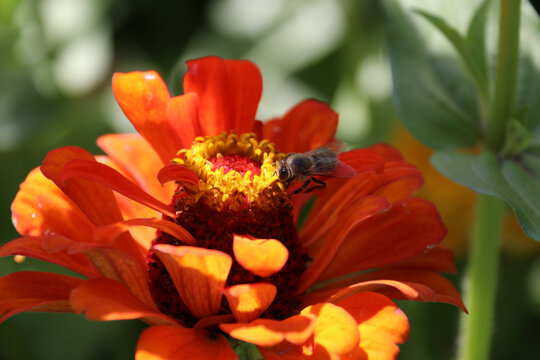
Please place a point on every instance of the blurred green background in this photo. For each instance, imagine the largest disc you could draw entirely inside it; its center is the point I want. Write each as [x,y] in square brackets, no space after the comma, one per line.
[56,62]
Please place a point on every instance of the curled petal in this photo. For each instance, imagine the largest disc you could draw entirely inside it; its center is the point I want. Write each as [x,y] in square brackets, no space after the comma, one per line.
[381,324]
[336,329]
[248,301]
[178,173]
[35,291]
[108,233]
[262,257]
[94,171]
[177,343]
[105,299]
[265,332]
[198,274]
[143,98]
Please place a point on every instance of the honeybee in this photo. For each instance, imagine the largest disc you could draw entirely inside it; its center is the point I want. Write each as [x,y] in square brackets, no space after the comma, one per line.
[322,161]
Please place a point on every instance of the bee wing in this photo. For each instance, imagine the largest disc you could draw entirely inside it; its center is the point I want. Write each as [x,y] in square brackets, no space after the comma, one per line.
[343,170]
[336,146]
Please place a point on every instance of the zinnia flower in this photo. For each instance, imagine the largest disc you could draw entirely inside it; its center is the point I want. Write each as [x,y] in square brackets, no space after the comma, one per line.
[186,227]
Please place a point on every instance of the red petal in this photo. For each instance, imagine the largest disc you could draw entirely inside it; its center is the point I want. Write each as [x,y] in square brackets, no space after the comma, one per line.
[108,233]
[248,301]
[105,299]
[306,126]
[406,230]
[123,149]
[198,274]
[143,98]
[228,92]
[35,291]
[381,324]
[357,213]
[363,160]
[388,152]
[436,259]
[178,173]
[183,113]
[336,331]
[32,246]
[265,332]
[262,257]
[96,172]
[177,343]
[40,207]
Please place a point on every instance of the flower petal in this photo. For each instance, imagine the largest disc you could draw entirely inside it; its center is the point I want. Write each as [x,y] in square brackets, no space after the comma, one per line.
[248,301]
[32,246]
[40,207]
[143,98]
[183,114]
[228,92]
[105,299]
[35,291]
[108,233]
[103,174]
[178,173]
[262,257]
[406,230]
[381,324]
[123,149]
[436,259]
[177,343]
[198,274]
[357,213]
[265,332]
[306,126]
[336,329]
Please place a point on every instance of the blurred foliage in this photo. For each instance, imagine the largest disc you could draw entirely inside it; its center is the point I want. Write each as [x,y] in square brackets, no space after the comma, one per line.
[56,61]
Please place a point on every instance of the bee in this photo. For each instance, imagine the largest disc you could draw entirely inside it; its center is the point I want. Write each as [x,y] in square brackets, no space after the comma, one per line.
[322,161]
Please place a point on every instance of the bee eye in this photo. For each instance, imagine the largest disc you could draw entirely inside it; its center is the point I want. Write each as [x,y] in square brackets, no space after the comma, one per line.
[283,174]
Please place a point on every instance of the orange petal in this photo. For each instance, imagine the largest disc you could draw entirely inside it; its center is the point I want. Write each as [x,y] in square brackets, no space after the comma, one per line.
[436,259]
[32,246]
[357,213]
[228,92]
[177,343]
[381,324]
[35,291]
[336,329]
[105,299]
[119,266]
[123,148]
[262,257]
[103,174]
[248,301]
[265,332]
[306,126]
[183,113]
[198,274]
[404,231]
[143,98]
[108,233]
[40,207]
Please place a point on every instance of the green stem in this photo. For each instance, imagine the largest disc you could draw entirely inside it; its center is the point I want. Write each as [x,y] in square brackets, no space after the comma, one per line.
[481,279]
[506,76]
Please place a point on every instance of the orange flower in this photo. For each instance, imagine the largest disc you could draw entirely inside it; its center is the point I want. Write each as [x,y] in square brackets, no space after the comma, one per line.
[227,260]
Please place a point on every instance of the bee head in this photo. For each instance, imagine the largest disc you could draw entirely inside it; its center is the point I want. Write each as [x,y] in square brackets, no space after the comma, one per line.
[282,172]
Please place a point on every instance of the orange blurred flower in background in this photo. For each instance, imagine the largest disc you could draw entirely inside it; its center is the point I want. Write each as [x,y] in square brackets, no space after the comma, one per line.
[186,227]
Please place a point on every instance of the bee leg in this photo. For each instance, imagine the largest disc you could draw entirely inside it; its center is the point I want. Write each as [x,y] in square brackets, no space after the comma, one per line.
[302,188]
[320,184]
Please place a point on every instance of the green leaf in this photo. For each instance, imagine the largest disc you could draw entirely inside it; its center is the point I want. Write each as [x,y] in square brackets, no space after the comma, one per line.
[426,107]
[517,183]
[476,41]
[528,93]
[462,48]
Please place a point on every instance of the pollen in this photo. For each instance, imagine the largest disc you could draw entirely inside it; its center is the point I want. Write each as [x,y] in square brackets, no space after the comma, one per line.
[238,194]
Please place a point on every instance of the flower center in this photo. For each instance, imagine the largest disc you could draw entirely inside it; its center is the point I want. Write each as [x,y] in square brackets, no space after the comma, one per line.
[238,193]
